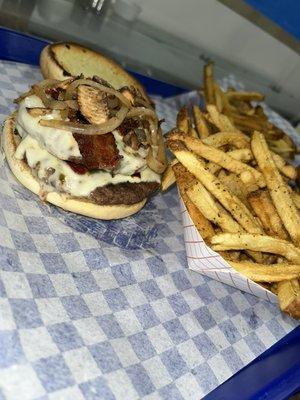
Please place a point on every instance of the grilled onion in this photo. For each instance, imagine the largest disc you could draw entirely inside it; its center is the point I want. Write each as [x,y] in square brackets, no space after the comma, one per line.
[154,164]
[23,96]
[88,129]
[40,90]
[141,112]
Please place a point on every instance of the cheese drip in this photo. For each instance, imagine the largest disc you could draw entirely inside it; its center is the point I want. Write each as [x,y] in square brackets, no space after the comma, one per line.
[58,175]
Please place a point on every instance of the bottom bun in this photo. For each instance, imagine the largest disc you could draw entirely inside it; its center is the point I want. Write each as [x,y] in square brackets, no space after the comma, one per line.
[23,173]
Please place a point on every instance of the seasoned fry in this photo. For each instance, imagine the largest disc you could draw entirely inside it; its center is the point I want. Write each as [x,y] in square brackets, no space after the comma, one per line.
[236,139]
[263,207]
[232,110]
[219,157]
[200,122]
[244,96]
[215,213]
[245,154]
[237,187]
[209,84]
[168,178]
[278,189]
[227,107]
[282,148]
[286,169]
[184,179]
[296,198]
[242,143]
[229,201]
[218,97]
[251,122]
[183,122]
[206,204]
[289,297]
[267,273]
[289,142]
[247,241]
[193,132]
[239,154]
[220,120]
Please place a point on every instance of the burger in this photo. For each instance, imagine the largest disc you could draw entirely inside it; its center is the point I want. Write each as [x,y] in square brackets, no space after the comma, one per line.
[87,145]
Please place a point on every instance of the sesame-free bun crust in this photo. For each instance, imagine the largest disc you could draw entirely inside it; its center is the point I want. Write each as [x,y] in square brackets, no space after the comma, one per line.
[23,173]
[60,60]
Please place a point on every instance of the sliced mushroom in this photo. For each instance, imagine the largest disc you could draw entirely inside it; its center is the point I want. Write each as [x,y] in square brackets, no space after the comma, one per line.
[92,104]
[38,111]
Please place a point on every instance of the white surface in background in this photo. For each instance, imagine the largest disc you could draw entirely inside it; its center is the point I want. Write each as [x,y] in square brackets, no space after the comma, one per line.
[214,27]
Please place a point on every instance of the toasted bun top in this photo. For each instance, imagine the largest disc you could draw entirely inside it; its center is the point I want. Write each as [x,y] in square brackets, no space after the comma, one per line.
[60,60]
[23,173]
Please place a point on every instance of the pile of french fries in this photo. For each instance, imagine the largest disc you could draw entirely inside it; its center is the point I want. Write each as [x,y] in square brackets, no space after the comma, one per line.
[237,106]
[242,198]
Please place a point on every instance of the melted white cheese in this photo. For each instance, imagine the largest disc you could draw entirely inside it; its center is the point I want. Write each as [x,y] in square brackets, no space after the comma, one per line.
[61,143]
[64,179]
[58,142]
[130,163]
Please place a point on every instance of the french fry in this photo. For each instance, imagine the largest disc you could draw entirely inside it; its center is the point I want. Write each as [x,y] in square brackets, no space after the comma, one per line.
[245,154]
[263,207]
[279,191]
[238,114]
[200,122]
[286,169]
[193,132]
[244,96]
[247,241]
[241,141]
[219,157]
[236,139]
[215,213]
[251,122]
[237,187]
[229,201]
[225,103]
[267,273]
[282,148]
[241,188]
[206,204]
[209,84]
[220,120]
[168,178]
[183,122]
[240,107]
[239,154]
[218,97]
[184,179]
[296,198]
[231,255]
[289,142]
[289,297]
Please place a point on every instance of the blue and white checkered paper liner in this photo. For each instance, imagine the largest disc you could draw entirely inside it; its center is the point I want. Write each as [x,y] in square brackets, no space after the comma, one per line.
[89,310]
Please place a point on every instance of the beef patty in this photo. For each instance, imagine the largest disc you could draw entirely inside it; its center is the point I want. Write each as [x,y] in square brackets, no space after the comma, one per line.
[123,193]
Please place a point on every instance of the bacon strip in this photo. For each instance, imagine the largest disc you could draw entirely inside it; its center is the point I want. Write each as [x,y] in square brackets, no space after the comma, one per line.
[98,151]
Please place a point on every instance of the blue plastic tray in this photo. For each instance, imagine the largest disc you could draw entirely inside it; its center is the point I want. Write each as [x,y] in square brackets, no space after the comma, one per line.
[275,375]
